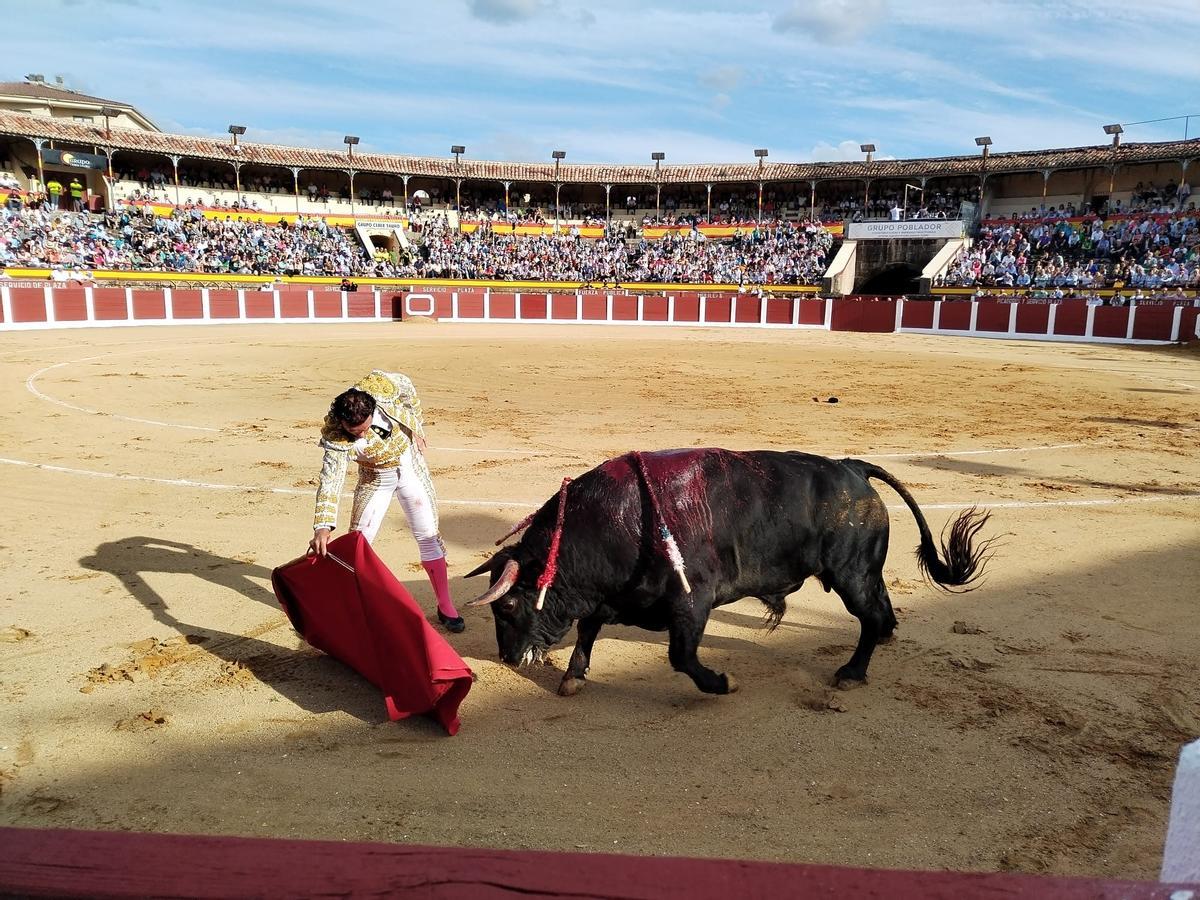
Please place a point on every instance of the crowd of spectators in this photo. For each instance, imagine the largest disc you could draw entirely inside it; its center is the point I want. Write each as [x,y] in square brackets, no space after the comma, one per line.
[781,254]
[134,238]
[1141,250]
[184,242]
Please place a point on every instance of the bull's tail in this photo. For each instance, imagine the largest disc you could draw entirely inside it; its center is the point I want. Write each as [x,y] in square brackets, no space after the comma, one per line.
[964,556]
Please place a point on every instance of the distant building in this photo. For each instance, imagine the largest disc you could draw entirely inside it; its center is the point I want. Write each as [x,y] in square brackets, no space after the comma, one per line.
[34,97]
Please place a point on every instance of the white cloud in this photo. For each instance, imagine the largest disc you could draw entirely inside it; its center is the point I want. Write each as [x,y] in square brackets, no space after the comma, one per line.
[835,21]
[723,78]
[843,150]
[504,12]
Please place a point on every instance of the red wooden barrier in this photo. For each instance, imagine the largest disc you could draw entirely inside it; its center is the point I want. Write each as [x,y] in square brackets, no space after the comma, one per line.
[28,304]
[595,307]
[223,304]
[293,305]
[63,863]
[327,305]
[955,316]
[624,308]
[992,316]
[917,314]
[654,309]
[779,310]
[149,305]
[746,309]
[360,306]
[564,306]
[1070,317]
[687,307]
[1110,321]
[260,304]
[1153,323]
[1033,318]
[812,312]
[504,306]
[870,315]
[717,309]
[533,306]
[187,304]
[70,304]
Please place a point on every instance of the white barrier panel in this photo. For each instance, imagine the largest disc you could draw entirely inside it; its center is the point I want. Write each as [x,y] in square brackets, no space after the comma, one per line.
[1181,858]
[409,310]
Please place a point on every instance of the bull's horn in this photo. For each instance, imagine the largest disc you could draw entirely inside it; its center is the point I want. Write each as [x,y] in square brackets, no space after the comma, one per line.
[502,586]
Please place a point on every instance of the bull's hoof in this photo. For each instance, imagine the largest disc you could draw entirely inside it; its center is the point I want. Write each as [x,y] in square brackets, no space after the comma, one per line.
[569,686]
[731,686]
[846,679]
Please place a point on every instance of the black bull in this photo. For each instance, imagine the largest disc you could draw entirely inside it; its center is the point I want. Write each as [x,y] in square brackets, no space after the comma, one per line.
[748,524]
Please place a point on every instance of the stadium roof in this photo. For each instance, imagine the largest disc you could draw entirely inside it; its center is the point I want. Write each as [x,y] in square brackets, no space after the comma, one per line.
[57,95]
[214,149]
[52,92]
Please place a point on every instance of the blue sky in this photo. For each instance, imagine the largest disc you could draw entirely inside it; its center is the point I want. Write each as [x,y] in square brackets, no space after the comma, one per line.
[610,82]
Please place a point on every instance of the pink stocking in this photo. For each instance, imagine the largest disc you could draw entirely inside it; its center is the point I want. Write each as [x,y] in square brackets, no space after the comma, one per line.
[439,578]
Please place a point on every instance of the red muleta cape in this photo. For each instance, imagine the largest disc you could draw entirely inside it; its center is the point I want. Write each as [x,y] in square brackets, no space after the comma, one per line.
[353,608]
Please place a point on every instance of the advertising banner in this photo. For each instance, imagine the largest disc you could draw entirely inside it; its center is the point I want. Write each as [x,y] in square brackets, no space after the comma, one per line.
[75,160]
[918,229]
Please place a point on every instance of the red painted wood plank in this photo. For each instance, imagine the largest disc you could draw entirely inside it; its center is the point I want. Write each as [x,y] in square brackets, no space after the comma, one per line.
[779,310]
[66,863]
[1071,317]
[595,307]
[812,312]
[717,309]
[533,307]
[956,316]
[563,306]
[687,307]
[746,309]
[187,304]
[503,306]
[1111,322]
[917,314]
[654,309]
[624,308]
[293,305]
[28,304]
[1033,318]
[993,316]
[147,304]
[260,305]
[70,304]
[1153,323]
[223,304]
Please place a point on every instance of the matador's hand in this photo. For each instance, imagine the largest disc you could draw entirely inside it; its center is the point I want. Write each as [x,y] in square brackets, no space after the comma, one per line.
[422,445]
[317,546]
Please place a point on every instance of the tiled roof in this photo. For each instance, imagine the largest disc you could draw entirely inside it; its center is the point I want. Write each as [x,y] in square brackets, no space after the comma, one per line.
[51,92]
[310,158]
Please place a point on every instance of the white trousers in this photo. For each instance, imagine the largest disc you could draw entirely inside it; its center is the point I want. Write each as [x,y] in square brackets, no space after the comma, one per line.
[410,484]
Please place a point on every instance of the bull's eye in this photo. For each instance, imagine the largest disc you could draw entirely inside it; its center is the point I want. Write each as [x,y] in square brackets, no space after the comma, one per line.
[508,604]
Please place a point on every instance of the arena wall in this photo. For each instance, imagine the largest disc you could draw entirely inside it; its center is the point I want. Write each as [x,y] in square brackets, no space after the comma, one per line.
[63,863]
[26,306]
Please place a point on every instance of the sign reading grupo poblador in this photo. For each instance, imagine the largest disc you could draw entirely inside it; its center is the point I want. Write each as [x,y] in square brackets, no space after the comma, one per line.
[75,160]
[918,229]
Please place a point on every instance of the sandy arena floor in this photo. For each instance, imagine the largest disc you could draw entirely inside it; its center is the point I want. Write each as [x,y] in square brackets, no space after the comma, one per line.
[148,680]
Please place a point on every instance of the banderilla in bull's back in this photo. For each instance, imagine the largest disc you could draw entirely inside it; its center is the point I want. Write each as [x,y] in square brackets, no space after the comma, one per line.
[659,539]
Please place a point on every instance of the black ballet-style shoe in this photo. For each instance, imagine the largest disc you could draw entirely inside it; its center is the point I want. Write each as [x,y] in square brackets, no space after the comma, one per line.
[453,625]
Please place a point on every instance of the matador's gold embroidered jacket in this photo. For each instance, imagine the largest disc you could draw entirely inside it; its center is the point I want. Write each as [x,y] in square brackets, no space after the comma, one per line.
[396,401]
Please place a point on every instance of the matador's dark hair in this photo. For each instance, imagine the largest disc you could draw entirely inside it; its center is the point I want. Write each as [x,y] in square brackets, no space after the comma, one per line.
[352,407]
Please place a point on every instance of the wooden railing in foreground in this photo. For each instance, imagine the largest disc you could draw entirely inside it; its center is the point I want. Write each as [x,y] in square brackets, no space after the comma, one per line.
[59,863]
